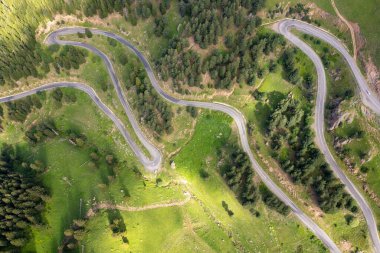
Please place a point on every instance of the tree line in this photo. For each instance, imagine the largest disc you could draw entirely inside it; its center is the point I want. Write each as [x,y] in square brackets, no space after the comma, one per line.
[206,22]
[237,171]
[291,140]
[152,110]
[22,199]
[238,174]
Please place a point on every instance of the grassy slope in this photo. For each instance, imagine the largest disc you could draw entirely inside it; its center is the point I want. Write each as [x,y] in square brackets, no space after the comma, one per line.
[103,44]
[211,132]
[367,15]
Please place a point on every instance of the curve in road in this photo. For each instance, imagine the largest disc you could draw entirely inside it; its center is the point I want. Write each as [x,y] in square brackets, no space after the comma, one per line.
[284,27]
[157,157]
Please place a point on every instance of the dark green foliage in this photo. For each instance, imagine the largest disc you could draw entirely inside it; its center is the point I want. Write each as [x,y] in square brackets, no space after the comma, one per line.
[112,42]
[292,143]
[57,95]
[203,173]
[20,109]
[206,20]
[192,110]
[153,111]
[161,26]
[289,64]
[69,97]
[69,57]
[164,6]
[21,200]
[349,218]
[330,192]
[116,221]
[183,66]
[272,201]
[102,7]
[257,94]
[238,174]
[123,59]
[41,131]
[364,169]
[74,234]
[21,59]
[299,11]
[226,208]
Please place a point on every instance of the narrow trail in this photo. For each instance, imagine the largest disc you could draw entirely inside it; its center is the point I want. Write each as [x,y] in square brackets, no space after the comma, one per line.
[348,24]
[106,205]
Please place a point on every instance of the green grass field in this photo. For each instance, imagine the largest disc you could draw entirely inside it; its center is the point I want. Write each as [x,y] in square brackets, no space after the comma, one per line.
[212,131]
[174,229]
[367,15]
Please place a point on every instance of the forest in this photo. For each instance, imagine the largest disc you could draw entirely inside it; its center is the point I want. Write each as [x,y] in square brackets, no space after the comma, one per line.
[22,198]
[237,171]
[238,174]
[153,111]
[291,140]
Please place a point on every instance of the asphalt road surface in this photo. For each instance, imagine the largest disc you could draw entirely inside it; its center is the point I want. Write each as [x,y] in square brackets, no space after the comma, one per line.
[369,99]
[155,163]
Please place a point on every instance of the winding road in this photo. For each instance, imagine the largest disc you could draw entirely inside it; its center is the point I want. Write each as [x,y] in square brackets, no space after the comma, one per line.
[368,98]
[154,162]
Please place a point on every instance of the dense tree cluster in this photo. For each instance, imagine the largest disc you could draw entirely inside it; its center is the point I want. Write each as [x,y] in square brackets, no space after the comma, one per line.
[238,63]
[292,142]
[161,26]
[116,222]
[330,192]
[21,200]
[41,131]
[73,235]
[182,66]
[289,64]
[272,201]
[69,57]
[21,59]
[102,7]
[238,174]
[153,111]
[207,20]
[299,11]
[18,110]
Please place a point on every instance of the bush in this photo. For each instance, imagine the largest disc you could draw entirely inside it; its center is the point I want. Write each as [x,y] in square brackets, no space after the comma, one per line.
[88,33]
[364,169]
[349,219]
[203,173]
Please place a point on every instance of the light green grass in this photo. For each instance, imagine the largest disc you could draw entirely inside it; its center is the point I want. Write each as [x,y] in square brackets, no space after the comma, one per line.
[212,131]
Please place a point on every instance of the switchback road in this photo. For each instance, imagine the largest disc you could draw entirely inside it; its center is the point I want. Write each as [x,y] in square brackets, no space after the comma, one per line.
[155,163]
[284,27]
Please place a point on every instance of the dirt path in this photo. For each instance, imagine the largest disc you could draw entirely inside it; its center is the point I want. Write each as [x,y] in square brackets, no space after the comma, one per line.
[107,205]
[352,30]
